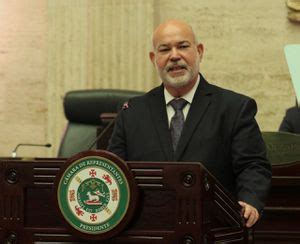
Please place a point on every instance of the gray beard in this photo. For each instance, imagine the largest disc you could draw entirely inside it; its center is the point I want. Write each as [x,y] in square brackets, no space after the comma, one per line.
[177,81]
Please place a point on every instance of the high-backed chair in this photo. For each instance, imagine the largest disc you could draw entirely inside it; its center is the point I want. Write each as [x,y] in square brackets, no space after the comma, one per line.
[83,109]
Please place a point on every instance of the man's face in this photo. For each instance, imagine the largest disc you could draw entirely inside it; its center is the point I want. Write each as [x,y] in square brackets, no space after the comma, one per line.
[176,55]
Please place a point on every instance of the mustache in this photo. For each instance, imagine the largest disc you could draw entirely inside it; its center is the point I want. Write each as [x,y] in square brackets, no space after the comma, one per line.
[177,65]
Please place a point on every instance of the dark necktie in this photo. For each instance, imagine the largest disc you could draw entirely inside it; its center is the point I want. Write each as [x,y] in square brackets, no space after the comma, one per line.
[177,120]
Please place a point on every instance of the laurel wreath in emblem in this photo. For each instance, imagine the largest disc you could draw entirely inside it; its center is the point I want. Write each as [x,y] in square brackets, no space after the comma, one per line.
[93,195]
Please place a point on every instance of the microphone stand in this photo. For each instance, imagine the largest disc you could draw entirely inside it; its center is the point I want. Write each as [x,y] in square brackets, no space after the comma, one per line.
[109,117]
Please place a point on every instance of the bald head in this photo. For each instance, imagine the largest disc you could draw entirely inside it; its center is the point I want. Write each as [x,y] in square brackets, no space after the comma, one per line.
[176,56]
[171,26]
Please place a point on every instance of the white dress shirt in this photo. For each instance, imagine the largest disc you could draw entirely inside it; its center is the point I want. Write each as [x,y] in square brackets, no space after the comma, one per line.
[188,97]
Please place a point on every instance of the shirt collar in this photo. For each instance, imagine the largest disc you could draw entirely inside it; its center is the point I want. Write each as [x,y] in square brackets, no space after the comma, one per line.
[188,97]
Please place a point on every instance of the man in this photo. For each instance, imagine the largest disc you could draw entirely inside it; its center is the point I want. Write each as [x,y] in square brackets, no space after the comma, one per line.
[219,126]
[291,121]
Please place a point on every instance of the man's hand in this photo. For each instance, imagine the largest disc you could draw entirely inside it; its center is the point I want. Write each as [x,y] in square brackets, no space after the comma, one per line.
[250,213]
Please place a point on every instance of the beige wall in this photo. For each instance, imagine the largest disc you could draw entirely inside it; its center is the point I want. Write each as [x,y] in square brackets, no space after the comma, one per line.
[50,47]
[23,74]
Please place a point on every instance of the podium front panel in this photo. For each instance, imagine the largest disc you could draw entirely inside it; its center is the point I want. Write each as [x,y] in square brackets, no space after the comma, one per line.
[178,203]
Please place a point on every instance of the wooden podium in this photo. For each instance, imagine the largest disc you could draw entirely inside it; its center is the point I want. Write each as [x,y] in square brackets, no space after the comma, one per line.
[177,203]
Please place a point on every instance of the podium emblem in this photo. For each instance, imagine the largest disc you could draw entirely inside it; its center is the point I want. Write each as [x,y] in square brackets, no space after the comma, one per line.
[93,194]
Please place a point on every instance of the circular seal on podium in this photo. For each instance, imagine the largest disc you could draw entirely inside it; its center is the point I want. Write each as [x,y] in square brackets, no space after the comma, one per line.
[95,194]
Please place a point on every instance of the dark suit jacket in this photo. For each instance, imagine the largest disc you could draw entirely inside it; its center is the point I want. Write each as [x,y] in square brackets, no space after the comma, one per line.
[220,131]
[291,121]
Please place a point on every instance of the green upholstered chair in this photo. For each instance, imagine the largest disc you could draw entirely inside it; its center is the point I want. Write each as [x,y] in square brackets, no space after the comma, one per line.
[83,109]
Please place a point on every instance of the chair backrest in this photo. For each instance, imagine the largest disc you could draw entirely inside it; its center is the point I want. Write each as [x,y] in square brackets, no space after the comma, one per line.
[83,109]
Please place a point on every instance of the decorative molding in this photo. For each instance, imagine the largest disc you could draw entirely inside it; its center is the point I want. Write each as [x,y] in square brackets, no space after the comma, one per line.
[294,14]
[293,4]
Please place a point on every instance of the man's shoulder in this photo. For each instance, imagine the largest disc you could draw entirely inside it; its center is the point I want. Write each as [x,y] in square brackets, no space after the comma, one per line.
[227,94]
[293,110]
[293,113]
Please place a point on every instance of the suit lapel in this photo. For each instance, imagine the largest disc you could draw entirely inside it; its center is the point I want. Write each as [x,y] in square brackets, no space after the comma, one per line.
[199,106]
[158,112]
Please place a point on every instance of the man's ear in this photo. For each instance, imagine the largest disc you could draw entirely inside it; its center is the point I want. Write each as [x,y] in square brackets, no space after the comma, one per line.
[200,50]
[152,57]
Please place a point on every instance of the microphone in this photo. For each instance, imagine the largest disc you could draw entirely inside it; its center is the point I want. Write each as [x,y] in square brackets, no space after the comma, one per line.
[109,117]
[14,152]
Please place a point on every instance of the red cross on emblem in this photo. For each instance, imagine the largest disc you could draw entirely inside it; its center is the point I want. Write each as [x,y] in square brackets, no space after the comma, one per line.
[78,210]
[92,173]
[93,217]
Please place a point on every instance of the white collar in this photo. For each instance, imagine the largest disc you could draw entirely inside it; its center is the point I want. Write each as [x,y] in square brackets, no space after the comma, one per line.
[188,97]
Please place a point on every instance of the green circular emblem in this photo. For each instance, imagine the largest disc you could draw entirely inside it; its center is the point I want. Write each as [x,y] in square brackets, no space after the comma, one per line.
[93,195]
